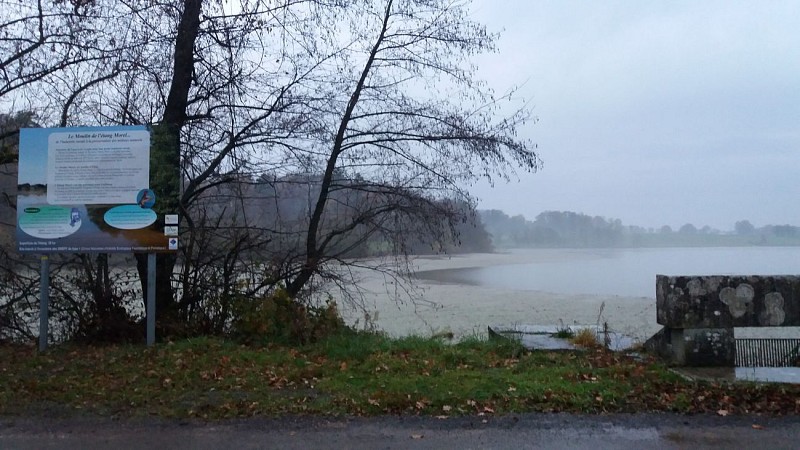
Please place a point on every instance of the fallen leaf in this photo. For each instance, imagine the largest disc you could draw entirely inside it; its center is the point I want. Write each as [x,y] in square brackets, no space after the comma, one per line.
[446,408]
[722,412]
[417,436]
[758,427]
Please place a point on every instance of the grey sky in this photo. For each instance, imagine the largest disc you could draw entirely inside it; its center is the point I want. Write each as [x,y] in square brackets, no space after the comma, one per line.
[653,112]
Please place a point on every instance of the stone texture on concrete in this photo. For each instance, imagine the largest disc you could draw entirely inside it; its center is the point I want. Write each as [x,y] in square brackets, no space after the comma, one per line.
[699,314]
[695,347]
[699,346]
[727,301]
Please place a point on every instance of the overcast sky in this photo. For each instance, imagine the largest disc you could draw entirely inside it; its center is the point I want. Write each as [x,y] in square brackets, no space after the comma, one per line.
[653,112]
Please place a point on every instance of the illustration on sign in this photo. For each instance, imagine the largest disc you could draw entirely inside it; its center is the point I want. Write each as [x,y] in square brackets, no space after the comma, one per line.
[87,190]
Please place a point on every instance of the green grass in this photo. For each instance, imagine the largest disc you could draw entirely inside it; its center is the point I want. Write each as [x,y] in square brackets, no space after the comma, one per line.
[355,374]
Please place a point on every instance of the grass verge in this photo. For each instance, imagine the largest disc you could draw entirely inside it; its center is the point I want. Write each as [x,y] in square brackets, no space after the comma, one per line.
[357,374]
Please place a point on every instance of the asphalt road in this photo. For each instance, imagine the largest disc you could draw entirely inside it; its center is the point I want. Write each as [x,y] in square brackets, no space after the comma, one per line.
[555,431]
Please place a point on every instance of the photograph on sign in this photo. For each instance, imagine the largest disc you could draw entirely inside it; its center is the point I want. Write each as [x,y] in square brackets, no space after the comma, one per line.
[87,190]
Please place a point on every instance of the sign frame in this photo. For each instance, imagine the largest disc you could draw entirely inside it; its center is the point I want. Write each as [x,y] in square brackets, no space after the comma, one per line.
[86,190]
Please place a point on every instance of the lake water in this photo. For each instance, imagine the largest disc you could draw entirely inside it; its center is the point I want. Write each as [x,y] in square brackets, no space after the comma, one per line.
[622,272]
[544,286]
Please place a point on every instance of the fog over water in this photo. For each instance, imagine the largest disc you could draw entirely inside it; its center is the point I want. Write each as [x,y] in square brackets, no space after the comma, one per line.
[621,272]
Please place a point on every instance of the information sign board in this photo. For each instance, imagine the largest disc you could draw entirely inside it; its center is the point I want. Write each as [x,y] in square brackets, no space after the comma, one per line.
[85,190]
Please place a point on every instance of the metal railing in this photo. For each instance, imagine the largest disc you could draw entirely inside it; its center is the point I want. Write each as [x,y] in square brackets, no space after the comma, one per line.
[767,352]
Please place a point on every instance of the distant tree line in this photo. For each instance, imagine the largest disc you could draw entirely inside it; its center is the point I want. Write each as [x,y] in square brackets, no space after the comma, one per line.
[552,229]
[280,205]
[570,229]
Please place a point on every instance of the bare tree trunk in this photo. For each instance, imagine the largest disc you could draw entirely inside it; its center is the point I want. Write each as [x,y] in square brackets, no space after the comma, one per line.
[165,158]
[314,250]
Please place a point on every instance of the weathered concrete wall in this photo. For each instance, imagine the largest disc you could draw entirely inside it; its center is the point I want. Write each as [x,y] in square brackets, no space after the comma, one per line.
[699,314]
[728,301]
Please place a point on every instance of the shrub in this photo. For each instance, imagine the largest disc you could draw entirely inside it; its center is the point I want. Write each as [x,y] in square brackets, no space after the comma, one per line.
[586,338]
[282,319]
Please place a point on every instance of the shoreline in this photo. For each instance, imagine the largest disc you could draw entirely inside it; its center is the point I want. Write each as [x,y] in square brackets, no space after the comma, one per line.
[440,307]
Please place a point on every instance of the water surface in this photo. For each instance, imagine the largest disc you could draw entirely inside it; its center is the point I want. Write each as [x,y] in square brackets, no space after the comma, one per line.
[622,272]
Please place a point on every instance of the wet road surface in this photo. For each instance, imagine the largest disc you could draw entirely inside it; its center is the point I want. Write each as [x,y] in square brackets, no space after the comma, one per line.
[549,431]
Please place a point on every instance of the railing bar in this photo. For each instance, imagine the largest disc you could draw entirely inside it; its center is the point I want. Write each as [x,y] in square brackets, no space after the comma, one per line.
[777,348]
[760,354]
[768,353]
[737,360]
[786,354]
[775,359]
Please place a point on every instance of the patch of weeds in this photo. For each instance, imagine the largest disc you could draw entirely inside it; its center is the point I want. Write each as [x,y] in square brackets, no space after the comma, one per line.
[563,331]
[681,401]
[353,345]
[585,338]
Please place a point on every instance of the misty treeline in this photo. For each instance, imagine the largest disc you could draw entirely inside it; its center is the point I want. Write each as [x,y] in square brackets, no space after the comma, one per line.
[296,138]
[571,229]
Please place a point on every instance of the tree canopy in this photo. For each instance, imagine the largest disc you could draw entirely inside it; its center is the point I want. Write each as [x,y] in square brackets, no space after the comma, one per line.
[371,107]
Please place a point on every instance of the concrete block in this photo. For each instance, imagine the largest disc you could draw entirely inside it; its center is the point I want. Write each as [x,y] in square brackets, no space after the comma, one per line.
[727,301]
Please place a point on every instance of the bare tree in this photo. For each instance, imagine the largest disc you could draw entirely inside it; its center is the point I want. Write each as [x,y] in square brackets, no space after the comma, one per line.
[34,42]
[189,67]
[414,122]
[342,123]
